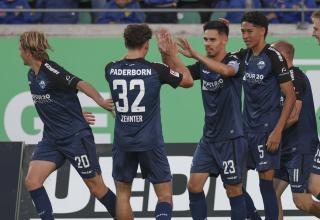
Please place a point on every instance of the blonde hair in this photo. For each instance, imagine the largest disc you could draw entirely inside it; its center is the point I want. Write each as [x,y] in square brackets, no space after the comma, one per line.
[36,43]
[315,15]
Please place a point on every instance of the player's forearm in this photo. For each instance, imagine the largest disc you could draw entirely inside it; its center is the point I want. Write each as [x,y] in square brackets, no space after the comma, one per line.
[179,67]
[216,66]
[166,60]
[90,91]
[286,111]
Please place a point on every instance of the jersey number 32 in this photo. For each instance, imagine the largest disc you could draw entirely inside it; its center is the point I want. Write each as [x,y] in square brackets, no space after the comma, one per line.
[124,95]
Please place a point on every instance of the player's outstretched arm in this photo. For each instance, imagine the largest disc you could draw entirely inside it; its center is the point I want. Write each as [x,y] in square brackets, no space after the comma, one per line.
[169,53]
[213,65]
[90,91]
[275,136]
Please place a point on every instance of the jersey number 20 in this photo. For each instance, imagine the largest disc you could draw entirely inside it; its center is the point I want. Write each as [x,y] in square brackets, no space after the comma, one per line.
[124,95]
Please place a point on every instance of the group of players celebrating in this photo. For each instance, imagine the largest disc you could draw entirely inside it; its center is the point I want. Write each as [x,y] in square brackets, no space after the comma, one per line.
[275,133]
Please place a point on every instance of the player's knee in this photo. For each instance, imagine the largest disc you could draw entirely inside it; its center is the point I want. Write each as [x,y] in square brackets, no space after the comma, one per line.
[192,187]
[167,197]
[97,187]
[32,183]
[314,189]
[299,203]
[233,190]
[266,175]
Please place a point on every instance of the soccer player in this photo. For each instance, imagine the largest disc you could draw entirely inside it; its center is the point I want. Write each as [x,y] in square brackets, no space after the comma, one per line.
[265,76]
[135,85]
[66,135]
[222,149]
[299,140]
[314,180]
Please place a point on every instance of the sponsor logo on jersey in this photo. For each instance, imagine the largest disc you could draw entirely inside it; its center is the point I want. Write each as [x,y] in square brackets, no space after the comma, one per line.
[50,68]
[292,75]
[253,78]
[212,85]
[41,99]
[277,52]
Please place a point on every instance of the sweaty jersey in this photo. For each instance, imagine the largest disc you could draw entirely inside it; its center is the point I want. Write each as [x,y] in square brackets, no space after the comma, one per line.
[135,88]
[262,77]
[302,134]
[54,95]
[221,98]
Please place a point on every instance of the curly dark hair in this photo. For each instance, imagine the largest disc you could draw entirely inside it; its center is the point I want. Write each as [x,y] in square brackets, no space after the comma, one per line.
[256,18]
[217,25]
[135,35]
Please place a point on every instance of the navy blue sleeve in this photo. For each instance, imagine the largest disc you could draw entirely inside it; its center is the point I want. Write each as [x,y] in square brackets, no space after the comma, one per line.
[60,75]
[195,70]
[299,83]
[279,65]
[167,75]
[240,54]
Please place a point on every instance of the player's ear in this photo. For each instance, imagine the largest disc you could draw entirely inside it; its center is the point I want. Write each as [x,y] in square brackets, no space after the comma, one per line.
[146,46]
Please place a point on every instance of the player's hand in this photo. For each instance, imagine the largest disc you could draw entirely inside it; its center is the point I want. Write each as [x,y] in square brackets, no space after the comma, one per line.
[107,104]
[166,43]
[273,141]
[185,48]
[89,117]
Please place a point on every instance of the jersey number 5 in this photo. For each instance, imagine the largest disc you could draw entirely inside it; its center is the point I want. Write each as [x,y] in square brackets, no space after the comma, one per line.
[124,95]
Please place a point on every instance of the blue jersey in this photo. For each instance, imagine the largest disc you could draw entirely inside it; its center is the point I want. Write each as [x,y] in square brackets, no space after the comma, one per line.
[262,77]
[55,97]
[135,88]
[221,98]
[302,134]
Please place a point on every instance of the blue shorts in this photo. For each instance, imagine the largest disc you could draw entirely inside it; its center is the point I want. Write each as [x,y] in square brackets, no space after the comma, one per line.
[79,149]
[295,169]
[226,158]
[259,158]
[153,163]
[316,162]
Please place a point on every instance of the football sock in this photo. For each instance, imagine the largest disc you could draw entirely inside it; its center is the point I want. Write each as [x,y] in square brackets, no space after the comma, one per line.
[109,201]
[163,211]
[42,203]
[238,207]
[252,212]
[269,199]
[198,205]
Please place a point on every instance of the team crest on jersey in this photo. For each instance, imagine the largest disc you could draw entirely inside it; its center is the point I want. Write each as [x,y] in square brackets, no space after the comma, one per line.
[176,74]
[205,71]
[261,64]
[42,84]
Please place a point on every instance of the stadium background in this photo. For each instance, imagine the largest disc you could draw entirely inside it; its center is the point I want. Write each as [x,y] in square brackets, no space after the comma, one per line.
[182,117]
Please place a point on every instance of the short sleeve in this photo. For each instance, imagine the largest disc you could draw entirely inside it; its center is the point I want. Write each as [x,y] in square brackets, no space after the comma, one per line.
[298,83]
[167,75]
[195,70]
[60,75]
[279,66]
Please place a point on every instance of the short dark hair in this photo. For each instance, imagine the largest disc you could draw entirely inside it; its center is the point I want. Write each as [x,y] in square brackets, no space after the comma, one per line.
[135,35]
[220,26]
[256,18]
